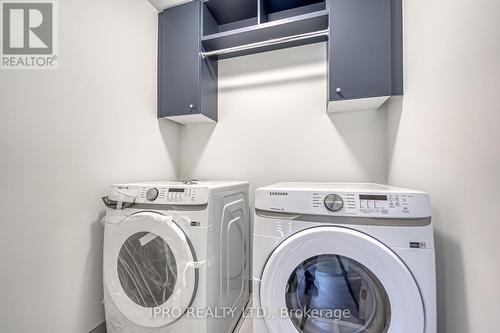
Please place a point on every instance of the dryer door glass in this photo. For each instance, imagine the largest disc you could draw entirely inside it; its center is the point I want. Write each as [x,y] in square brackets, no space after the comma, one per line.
[147,269]
[332,293]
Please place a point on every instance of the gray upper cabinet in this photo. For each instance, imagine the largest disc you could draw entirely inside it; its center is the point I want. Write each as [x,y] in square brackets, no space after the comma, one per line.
[365,53]
[187,83]
[364,48]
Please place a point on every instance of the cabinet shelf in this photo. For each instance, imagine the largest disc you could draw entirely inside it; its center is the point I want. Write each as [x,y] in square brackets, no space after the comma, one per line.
[277,10]
[277,28]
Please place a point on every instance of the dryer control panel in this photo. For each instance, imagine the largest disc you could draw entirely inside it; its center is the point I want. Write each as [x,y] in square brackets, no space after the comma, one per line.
[384,202]
[164,195]
[174,195]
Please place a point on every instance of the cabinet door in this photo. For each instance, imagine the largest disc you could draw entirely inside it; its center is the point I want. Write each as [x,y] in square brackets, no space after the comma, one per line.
[179,60]
[360,49]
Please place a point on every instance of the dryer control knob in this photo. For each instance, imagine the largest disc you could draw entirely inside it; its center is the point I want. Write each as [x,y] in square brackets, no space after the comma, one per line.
[334,202]
[152,194]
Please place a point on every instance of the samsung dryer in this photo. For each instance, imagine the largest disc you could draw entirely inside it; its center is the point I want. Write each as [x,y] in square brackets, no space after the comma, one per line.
[343,258]
[176,257]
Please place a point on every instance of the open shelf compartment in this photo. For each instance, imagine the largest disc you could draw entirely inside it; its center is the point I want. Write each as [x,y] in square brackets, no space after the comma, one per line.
[225,15]
[274,10]
[273,19]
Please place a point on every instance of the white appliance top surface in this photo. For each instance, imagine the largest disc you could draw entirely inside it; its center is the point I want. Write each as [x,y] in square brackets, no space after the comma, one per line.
[344,199]
[196,183]
[334,187]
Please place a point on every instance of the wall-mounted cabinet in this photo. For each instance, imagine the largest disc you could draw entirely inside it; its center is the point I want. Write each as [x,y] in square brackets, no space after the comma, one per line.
[187,83]
[365,53]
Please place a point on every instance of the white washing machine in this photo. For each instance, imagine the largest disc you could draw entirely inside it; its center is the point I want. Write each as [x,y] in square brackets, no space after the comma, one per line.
[176,257]
[343,258]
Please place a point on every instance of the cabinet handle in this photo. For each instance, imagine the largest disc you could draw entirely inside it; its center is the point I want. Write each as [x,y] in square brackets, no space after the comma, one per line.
[339,92]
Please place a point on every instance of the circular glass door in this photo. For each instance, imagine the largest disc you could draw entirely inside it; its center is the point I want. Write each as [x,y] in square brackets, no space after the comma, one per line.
[149,263]
[339,280]
[147,269]
[332,293]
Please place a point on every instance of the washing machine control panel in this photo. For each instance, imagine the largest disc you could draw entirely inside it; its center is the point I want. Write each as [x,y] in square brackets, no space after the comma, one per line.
[389,205]
[352,204]
[173,195]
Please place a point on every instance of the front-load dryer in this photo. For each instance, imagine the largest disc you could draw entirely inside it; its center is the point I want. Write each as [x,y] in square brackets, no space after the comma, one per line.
[343,258]
[176,257]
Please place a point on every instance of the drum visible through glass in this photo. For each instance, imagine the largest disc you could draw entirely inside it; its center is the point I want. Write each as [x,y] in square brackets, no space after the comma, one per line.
[332,293]
[147,269]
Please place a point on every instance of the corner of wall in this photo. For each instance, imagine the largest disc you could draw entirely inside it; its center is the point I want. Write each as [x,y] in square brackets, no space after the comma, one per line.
[393,110]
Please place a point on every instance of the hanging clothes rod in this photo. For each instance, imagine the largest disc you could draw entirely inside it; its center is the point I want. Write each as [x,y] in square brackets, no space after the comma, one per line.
[269,42]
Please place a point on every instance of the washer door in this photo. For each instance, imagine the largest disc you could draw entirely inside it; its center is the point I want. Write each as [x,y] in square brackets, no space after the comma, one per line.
[148,263]
[334,279]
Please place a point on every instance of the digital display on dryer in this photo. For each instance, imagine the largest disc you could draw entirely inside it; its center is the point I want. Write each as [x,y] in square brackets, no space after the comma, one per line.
[176,190]
[373,197]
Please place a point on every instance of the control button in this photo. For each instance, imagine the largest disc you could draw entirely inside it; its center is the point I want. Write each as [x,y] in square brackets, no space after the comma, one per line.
[334,202]
[152,194]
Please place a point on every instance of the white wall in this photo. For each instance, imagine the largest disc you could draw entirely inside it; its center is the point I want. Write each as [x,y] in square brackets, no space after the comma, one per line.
[273,126]
[65,136]
[444,138]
